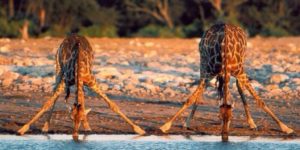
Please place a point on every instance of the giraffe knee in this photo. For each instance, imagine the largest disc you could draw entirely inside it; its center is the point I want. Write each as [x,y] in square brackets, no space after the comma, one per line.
[114,107]
[47,105]
[260,103]
[191,100]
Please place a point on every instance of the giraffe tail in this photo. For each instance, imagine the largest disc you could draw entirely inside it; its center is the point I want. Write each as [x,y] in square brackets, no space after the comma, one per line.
[79,84]
[224,78]
[220,87]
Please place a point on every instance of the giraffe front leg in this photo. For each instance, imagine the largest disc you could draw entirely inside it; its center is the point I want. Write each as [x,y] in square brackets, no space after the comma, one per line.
[47,123]
[114,107]
[45,107]
[191,100]
[241,90]
[75,116]
[198,95]
[85,111]
[262,105]
[79,114]
[57,81]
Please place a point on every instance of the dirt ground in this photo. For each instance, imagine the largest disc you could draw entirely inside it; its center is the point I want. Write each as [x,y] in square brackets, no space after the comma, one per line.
[151,79]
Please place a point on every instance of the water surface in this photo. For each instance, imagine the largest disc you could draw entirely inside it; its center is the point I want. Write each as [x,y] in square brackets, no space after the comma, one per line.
[133,142]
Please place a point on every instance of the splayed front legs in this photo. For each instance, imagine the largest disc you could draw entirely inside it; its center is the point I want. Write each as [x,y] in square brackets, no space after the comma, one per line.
[245,82]
[262,105]
[198,101]
[191,100]
[45,107]
[241,90]
[47,123]
[113,106]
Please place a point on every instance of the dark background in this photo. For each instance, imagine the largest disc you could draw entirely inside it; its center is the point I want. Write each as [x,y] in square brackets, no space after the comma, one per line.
[146,18]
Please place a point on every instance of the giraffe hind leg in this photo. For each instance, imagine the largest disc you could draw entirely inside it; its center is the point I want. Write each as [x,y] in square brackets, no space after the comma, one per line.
[78,112]
[191,115]
[45,107]
[241,90]
[67,99]
[263,106]
[92,84]
[191,100]
[85,122]
[47,123]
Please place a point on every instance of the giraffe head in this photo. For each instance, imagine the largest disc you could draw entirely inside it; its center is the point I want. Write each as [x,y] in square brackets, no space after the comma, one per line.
[77,115]
[226,115]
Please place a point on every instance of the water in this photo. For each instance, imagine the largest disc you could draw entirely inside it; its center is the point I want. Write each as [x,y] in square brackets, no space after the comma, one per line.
[132,142]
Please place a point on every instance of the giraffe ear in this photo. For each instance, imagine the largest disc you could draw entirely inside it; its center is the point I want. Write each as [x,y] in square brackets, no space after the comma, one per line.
[87,111]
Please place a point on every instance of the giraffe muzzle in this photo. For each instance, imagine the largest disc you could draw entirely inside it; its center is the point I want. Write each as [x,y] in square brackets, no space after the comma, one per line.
[226,115]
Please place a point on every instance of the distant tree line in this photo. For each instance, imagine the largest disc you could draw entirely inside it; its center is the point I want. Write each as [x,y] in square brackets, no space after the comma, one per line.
[145,18]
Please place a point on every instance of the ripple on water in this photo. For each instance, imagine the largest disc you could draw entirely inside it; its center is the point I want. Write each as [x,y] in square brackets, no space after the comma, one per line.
[132,142]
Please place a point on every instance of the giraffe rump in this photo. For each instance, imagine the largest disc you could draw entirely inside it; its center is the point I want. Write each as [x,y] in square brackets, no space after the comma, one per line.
[73,67]
[222,54]
[74,49]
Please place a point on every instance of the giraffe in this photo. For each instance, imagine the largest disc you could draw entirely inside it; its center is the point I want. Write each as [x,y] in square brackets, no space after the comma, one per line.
[74,60]
[222,53]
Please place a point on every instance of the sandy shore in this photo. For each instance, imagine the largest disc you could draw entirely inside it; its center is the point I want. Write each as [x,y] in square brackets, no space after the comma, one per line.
[150,79]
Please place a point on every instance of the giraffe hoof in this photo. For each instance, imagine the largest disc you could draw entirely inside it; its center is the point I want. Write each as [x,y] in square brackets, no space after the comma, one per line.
[45,127]
[186,126]
[254,128]
[289,131]
[252,124]
[87,127]
[286,129]
[165,127]
[88,130]
[23,129]
[138,130]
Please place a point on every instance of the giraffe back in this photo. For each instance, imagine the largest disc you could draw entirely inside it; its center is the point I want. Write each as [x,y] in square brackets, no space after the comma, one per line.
[74,52]
[219,43]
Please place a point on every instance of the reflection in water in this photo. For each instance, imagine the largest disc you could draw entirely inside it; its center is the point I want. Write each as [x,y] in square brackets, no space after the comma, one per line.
[134,142]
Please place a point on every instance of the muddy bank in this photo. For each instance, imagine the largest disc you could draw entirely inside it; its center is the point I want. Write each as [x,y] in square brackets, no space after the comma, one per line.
[149,79]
